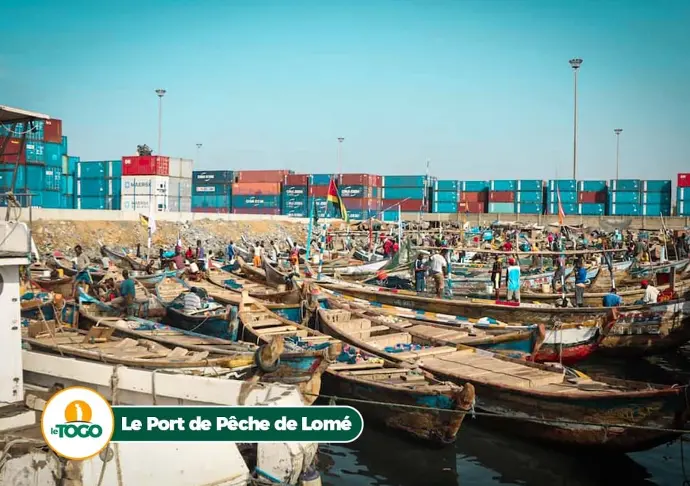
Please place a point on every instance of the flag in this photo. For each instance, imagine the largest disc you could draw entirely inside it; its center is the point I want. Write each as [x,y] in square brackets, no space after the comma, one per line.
[144,220]
[561,213]
[336,200]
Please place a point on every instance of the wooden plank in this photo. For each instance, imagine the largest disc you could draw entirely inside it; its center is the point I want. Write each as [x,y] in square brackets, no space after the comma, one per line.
[362,332]
[390,339]
[434,332]
[267,322]
[298,333]
[275,329]
[426,352]
[355,366]
[382,371]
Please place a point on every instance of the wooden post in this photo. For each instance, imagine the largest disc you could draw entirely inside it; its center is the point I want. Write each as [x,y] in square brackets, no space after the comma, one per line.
[672,279]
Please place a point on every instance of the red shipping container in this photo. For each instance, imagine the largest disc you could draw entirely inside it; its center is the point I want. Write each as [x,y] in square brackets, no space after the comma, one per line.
[12,151]
[210,210]
[684,179]
[481,196]
[261,175]
[471,207]
[357,179]
[296,180]
[591,197]
[409,205]
[52,132]
[145,165]
[501,196]
[256,188]
[256,211]
[360,203]
[320,191]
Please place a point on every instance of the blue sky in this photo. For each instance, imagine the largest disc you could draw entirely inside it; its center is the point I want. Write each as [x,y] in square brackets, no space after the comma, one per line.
[481,88]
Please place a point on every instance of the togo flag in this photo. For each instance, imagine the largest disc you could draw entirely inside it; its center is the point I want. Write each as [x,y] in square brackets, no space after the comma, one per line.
[335,199]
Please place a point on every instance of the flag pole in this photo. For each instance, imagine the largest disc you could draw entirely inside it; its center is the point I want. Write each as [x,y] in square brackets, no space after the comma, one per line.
[310,229]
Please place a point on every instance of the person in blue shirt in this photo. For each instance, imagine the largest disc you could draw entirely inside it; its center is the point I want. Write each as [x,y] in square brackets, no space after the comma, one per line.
[420,273]
[580,283]
[513,280]
[231,251]
[612,299]
[127,292]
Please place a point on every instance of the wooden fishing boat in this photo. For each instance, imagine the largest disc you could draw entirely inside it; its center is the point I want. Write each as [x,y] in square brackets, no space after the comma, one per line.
[390,385]
[237,284]
[64,285]
[532,400]
[360,270]
[150,280]
[122,260]
[68,268]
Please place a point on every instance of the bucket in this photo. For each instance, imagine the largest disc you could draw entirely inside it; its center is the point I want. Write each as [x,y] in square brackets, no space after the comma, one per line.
[546,288]
[489,288]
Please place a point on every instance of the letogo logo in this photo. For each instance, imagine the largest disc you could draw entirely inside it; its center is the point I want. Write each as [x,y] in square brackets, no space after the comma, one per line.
[77,423]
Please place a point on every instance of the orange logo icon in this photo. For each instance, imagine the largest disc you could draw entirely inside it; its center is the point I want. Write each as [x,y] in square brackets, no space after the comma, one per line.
[78,411]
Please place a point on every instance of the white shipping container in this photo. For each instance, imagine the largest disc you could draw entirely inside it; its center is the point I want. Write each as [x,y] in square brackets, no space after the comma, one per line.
[181,168]
[145,185]
[134,202]
[180,187]
[179,204]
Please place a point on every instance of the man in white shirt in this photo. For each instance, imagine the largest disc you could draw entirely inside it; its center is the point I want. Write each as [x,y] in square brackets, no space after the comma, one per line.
[192,300]
[438,267]
[651,293]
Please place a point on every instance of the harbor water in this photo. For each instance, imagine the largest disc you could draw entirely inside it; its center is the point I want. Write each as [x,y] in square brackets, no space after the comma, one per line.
[487,457]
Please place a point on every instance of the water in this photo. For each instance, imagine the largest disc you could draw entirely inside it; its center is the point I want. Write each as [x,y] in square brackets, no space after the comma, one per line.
[482,457]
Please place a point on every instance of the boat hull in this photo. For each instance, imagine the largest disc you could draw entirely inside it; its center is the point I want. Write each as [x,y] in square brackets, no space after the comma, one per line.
[208,325]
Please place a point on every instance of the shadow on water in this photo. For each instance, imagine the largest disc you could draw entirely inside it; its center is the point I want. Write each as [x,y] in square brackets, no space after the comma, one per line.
[482,457]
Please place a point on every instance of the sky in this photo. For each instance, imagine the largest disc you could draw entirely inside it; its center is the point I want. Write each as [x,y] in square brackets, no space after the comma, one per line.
[481,89]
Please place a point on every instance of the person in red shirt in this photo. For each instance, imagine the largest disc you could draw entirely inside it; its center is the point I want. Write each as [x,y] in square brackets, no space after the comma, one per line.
[507,246]
[387,247]
[189,254]
[396,247]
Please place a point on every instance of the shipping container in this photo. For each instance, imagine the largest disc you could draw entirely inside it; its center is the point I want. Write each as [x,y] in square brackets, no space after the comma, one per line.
[503,185]
[564,185]
[94,202]
[445,196]
[419,181]
[211,201]
[63,146]
[592,197]
[92,187]
[68,201]
[627,185]
[35,151]
[406,205]
[655,186]
[295,191]
[591,186]
[180,168]
[52,131]
[261,210]
[568,208]
[529,197]
[683,194]
[502,196]
[349,190]
[474,186]
[624,209]
[624,197]
[213,176]
[17,130]
[529,208]
[179,204]
[684,179]
[501,207]
[53,153]
[145,185]
[389,216]
[179,187]
[68,184]
[683,208]
[472,207]
[73,163]
[378,180]
[656,209]
[565,197]
[404,193]
[473,197]
[321,179]
[446,185]
[29,177]
[145,203]
[145,165]
[532,185]
[297,180]
[91,170]
[51,199]
[53,179]
[360,203]
[444,207]
[256,189]
[261,176]
[662,198]
[291,203]
[295,213]
[592,209]
[208,210]
[202,189]
[14,151]
[358,179]
[242,201]
[319,191]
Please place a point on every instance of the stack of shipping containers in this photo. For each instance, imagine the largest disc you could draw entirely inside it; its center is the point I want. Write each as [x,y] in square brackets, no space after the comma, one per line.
[98,184]
[296,195]
[444,198]
[473,197]
[180,185]
[358,193]
[655,198]
[411,193]
[591,198]
[529,197]
[502,196]
[319,190]
[68,183]
[683,195]
[145,183]
[624,197]
[257,191]
[212,191]
[567,190]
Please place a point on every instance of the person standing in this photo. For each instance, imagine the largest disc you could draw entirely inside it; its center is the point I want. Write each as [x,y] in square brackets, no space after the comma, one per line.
[178,259]
[438,268]
[257,255]
[420,273]
[200,255]
[580,283]
[559,273]
[513,281]
[230,251]
[496,272]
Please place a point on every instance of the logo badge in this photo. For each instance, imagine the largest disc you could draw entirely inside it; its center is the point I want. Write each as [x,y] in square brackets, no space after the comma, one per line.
[77,423]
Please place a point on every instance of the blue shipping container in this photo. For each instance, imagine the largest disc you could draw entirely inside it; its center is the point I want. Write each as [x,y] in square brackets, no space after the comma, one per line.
[529,197]
[503,185]
[390,216]
[656,209]
[35,151]
[624,197]
[115,186]
[446,185]
[403,193]
[91,170]
[16,131]
[63,146]
[566,197]
[359,214]
[211,201]
[211,189]
[52,199]
[564,185]
[625,209]
[501,207]
[529,185]
[444,207]
[67,184]
[92,187]
[663,198]
[419,181]
[295,213]
[354,191]
[683,208]
[474,186]
[656,186]
[34,177]
[53,179]
[114,168]
[445,196]
[529,208]
[591,186]
[683,194]
[242,202]
[67,201]
[624,185]
[323,208]
[72,163]
[570,208]
[295,203]
[213,176]
[592,209]
[53,154]
[321,179]
[295,191]
[91,202]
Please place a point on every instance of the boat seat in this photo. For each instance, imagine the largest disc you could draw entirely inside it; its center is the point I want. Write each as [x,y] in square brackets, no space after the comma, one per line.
[390,339]
[425,352]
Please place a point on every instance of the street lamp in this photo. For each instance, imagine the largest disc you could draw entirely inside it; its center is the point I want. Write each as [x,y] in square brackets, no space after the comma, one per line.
[160,92]
[575,64]
[340,164]
[618,131]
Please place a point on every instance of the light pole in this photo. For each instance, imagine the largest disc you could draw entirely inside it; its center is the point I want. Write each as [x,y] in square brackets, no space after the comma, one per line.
[198,152]
[160,92]
[575,64]
[340,163]
[618,131]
